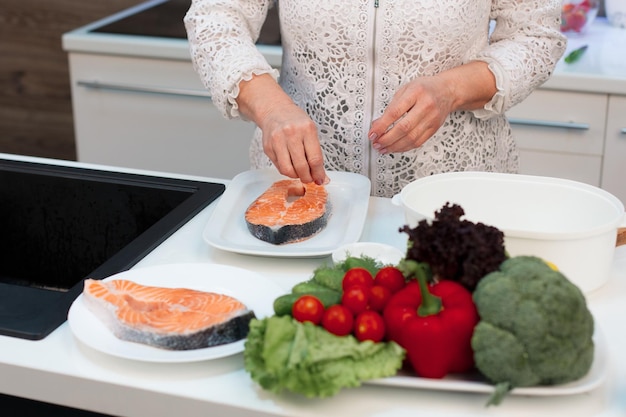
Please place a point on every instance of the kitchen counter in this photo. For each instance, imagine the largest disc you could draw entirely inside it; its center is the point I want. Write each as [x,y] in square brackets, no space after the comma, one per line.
[60,370]
[134,32]
[155,29]
[601,69]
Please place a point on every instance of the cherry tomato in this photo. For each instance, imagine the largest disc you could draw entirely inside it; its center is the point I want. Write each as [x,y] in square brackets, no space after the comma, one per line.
[308,308]
[369,325]
[390,277]
[355,298]
[357,276]
[378,297]
[338,320]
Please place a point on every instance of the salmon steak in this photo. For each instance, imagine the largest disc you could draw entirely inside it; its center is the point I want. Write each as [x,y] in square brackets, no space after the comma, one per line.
[289,211]
[167,318]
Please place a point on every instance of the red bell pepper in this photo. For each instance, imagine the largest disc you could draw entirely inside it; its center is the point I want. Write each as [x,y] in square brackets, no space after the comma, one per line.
[434,323]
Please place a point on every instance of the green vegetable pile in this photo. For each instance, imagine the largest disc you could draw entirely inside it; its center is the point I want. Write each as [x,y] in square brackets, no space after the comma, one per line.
[533,325]
[325,283]
[283,354]
[534,329]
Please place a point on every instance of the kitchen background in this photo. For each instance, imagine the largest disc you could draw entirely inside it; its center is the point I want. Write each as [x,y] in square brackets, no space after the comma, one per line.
[36,117]
[35,104]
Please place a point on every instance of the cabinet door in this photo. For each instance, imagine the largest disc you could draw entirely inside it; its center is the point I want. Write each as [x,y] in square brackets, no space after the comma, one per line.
[614,168]
[561,134]
[152,114]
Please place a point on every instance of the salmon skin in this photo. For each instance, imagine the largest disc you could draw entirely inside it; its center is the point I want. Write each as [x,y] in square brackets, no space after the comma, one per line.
[289,211]
[167,318]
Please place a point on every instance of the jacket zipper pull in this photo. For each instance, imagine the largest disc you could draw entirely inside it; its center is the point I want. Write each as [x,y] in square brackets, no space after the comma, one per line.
[376,3]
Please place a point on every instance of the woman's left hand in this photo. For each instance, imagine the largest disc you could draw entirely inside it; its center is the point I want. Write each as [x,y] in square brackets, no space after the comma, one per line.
[419,108]
[416,112]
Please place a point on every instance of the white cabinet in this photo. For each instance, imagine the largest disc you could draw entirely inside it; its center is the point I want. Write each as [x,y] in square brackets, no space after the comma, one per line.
[614,167]
[575,135]
[152,114]
[561,134]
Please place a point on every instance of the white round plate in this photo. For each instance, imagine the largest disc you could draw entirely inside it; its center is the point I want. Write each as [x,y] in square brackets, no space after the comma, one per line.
[383,253]
[255,291]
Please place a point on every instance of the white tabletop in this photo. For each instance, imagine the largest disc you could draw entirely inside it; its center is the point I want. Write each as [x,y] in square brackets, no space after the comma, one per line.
[61,370]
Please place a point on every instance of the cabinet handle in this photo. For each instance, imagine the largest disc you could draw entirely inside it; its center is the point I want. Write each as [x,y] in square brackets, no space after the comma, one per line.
[144,89]
[541,123]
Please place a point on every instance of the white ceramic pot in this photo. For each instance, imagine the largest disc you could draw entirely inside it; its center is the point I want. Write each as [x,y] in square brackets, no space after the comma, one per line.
[570,224]
[616,12]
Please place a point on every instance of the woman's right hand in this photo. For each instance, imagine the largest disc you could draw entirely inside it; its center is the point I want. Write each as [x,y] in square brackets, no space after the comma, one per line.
[289,135]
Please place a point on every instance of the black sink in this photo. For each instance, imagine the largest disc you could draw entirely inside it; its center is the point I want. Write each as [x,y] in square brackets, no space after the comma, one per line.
[165,20]
[61,225]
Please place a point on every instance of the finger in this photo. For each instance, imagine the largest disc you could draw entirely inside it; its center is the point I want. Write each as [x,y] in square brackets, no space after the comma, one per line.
[299,160]
[408,140]
[396,138]
[396,109]
[397,121]
[315,159]
[281,158]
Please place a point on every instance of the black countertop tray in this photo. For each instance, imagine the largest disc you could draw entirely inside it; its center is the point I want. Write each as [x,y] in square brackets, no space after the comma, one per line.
[62,224]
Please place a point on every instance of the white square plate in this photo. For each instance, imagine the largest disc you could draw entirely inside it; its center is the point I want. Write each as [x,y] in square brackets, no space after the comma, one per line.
[226,229]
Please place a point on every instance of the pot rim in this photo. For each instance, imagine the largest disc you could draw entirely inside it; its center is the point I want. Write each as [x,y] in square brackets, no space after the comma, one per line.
[610,225]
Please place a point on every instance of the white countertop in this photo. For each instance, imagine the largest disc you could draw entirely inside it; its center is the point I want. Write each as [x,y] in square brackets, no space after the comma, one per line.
[58,369]
[602,69]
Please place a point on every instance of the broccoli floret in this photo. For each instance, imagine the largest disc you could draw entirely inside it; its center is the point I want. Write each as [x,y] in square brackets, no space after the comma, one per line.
[456,249]
[535,327]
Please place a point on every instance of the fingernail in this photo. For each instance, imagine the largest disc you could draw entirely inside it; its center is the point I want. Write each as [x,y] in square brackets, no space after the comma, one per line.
[325,181]
[377,146]
[373,136]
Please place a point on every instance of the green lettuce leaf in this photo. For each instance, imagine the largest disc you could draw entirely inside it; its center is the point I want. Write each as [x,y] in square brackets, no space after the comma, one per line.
[284,354]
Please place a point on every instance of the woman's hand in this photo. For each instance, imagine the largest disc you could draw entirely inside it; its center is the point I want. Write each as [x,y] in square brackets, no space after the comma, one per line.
[290,141]
[289,135]
[419,108]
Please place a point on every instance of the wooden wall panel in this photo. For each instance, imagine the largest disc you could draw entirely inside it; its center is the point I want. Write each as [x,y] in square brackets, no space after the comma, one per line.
[35,95]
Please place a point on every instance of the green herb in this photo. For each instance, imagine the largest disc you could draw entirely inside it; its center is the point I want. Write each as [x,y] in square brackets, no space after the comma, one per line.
[575,55]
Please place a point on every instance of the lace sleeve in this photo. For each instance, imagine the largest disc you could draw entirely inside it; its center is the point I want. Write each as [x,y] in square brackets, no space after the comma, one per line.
[222,36]
[524,48]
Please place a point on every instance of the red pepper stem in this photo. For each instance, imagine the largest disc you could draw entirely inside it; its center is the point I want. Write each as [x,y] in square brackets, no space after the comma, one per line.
[431,304]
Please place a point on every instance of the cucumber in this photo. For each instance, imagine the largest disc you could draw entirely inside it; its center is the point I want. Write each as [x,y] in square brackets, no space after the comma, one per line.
[308,286]
[284,303]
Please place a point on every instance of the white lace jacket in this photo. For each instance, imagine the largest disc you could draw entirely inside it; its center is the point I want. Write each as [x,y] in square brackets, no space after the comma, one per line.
[344,59]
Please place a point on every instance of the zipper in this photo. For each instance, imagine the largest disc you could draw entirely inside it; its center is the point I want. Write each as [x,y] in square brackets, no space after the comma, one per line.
[371,78]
